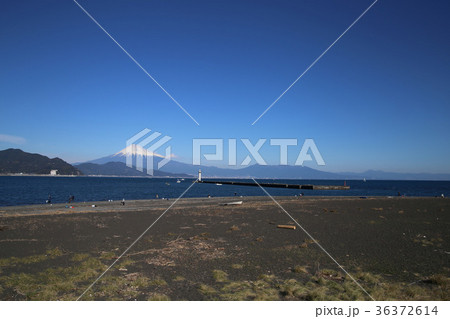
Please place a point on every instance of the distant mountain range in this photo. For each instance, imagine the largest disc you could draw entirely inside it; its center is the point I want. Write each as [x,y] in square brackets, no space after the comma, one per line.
[180,169]
[256,171]
[15,161]
[267,171]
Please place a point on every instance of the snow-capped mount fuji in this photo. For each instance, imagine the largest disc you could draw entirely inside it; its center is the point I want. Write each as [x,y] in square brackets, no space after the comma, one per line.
[115,164]
[121,156]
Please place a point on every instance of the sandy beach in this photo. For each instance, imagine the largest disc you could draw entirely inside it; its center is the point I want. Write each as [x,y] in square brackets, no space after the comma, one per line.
[201,249]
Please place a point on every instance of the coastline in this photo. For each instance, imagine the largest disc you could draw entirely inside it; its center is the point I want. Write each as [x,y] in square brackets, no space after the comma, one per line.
[143,204]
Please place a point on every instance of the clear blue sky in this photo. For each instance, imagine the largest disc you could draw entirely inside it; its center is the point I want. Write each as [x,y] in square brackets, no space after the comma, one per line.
[379,99]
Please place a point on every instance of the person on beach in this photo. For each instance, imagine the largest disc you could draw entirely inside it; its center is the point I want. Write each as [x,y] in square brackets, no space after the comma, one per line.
[123,202]
[49,200]
[71,199]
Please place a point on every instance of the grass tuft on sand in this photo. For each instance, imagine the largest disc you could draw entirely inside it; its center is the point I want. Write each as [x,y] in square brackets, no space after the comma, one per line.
[220,275]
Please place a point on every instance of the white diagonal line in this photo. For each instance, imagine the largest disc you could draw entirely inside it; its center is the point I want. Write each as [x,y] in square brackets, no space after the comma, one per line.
[315,61]
[137,239]
[312,238]
[136,62]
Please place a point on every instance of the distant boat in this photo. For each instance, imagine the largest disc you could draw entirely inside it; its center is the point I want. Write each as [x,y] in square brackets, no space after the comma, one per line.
[218,184]
[167,183]
[364,180]
[182,179]
[178,181]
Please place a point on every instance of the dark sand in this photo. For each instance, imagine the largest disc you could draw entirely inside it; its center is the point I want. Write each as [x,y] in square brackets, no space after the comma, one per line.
[396,248]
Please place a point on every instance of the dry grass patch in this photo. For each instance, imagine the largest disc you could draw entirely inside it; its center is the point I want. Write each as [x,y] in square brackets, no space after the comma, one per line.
[158,297]
[237,266]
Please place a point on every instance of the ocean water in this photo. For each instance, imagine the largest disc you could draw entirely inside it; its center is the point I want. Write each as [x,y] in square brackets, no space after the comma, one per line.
[24,190]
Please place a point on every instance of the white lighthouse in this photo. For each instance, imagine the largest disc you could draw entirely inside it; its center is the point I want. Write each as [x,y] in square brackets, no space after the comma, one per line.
[199,175]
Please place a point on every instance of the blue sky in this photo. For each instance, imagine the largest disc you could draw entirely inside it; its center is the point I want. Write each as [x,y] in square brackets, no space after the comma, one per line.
[379,99]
